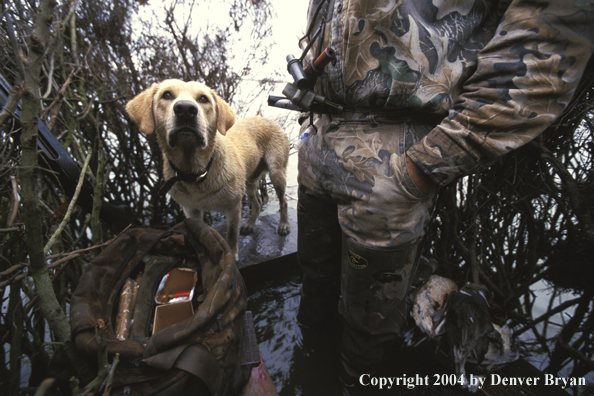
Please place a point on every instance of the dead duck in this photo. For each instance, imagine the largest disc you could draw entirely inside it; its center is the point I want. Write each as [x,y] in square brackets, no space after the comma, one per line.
[498,355]
[472,335]
[430,304]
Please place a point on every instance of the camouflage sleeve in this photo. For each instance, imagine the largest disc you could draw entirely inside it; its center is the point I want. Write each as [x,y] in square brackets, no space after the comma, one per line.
[525,77]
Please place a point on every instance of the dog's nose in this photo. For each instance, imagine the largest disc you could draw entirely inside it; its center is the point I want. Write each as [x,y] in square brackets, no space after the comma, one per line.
[185,110]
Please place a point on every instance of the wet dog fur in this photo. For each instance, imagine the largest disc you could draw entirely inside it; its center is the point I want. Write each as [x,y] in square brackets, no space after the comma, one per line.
[192,125]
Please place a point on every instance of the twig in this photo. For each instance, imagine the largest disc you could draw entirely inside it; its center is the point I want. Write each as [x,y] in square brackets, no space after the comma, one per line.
[15,313]
[12,269]
[11,104]
[579,205]
[44,387]
[28,176]
[15,44]
[82,235]
[74,386]
[71,10]
[59,96]
[15,204]
[50,77]
[14,278]
[79,117]
[112,370]
[73,43]
[11,229]
[66,218]
[52,256]
[63,260]
[98,193]
[474,230]
[574,353]
[560,308]
[102,360]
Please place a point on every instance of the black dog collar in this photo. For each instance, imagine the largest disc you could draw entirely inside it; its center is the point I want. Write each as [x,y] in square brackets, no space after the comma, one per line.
[195,178]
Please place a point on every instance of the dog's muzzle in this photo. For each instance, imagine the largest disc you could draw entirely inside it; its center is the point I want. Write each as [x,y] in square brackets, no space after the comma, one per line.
[186,131]
[186,137]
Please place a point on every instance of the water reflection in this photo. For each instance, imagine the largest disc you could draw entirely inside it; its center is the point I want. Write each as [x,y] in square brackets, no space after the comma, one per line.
[302,363]
[297,366]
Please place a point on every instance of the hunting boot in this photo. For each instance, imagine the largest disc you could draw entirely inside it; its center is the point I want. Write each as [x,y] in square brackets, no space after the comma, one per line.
[319,254]
[374,304]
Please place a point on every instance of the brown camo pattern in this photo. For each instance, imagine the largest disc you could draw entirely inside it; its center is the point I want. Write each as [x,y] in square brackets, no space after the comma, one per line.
[497,72]
[224,293]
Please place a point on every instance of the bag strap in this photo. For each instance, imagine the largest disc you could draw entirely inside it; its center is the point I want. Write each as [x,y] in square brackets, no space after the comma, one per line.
[194,359]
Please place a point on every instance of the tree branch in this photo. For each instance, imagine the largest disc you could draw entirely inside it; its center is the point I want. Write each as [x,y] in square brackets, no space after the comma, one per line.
[66,218]
[28,174]
[580,207]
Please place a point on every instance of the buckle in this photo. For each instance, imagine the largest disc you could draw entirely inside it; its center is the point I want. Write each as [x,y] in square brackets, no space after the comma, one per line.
[371,120]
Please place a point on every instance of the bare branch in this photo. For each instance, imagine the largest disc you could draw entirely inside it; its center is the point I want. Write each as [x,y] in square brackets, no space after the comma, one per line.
[66,218]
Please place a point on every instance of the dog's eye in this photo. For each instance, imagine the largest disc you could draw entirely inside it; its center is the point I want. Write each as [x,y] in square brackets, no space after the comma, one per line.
[167,95]
[203,99]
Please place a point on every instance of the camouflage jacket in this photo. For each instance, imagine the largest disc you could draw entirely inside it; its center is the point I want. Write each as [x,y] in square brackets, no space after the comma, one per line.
[499,71]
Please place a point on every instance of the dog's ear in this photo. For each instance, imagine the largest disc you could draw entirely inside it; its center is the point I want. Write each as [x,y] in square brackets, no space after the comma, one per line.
[140,110]
[225,115]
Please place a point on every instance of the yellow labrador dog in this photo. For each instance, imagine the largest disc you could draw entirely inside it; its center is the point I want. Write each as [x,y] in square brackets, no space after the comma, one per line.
[209,159]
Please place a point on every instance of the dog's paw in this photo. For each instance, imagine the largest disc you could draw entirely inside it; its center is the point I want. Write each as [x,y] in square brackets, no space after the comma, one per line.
[246,229]
[284,229]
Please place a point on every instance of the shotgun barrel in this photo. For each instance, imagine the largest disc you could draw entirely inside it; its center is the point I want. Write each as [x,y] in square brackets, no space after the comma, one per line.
[68,172]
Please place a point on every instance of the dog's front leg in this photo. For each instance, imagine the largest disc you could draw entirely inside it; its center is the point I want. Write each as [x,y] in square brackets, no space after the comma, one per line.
[233,221]
[192,213]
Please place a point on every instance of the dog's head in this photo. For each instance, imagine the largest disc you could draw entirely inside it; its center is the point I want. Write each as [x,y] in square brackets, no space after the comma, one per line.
[183,114]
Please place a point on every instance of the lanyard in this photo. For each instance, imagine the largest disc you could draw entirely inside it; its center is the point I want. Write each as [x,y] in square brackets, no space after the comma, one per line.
[319,32]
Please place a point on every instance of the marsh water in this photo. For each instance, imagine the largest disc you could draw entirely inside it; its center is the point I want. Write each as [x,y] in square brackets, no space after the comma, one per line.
[296,366]
[302,362]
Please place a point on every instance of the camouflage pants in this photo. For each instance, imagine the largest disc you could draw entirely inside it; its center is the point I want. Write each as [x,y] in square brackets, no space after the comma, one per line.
[363,169]
[354,181]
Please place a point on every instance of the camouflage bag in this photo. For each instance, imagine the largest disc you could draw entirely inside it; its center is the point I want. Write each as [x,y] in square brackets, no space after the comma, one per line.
[199,355]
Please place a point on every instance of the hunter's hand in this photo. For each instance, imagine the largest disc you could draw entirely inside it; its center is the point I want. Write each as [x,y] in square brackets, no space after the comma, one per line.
[423,182]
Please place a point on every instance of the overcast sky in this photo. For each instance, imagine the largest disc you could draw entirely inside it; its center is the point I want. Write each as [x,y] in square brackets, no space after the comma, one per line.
[287,27]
